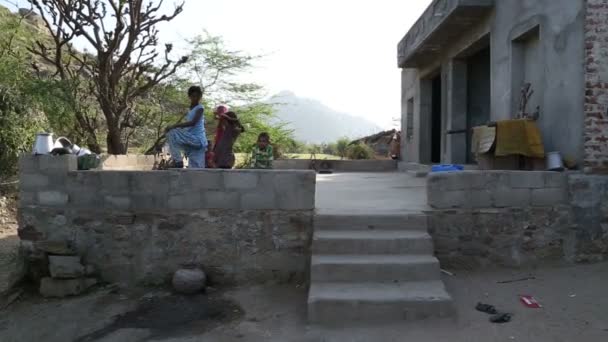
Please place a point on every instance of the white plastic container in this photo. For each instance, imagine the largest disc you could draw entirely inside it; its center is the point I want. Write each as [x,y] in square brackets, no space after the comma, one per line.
[555,161]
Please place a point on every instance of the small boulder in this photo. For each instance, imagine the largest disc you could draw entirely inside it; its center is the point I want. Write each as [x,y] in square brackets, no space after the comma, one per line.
[55,247]
[189,281]
[66,267]
[59,288]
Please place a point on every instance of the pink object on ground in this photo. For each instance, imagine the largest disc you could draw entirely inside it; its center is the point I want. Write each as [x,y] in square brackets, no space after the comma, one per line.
[530,302]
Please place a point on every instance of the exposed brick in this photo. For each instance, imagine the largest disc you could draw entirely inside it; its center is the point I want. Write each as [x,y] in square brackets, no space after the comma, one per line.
[596,83]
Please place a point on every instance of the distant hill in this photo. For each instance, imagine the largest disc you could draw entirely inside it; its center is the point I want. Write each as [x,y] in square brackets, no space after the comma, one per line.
[314,122]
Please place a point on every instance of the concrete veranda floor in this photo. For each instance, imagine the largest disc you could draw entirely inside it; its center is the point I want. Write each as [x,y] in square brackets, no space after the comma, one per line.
[377,193]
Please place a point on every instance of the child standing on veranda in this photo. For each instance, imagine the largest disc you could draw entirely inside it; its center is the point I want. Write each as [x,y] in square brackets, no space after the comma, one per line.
[262,155]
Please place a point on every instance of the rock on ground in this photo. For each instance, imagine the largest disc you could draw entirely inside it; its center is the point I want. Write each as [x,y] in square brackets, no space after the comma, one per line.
[189,281]
[66,267]
[60,288]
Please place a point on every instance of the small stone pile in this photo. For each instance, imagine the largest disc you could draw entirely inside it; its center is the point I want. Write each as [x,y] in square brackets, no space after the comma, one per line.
[65,274]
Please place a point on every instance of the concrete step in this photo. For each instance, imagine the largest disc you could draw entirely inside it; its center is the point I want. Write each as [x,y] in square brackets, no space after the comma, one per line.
[380,268]
[347,303]
[371,242]
[371,222]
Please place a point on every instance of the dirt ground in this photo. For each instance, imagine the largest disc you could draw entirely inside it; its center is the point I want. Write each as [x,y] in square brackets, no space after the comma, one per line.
[575,308]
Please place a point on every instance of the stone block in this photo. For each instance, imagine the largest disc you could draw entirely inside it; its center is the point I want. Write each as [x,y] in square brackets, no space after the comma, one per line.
[53,198]
[27,197]
[549,197]
[149,201]
[56,247]
[57,164]
[28,163]
[149,182]
[449,199]
[259,200]
[117,202]
[241,180]
[450,181]
[66,267]
[221,199]
[33,181]
[526,179]
[114,182]
[295,190]
[556,180]
[187,201]
[512,198]
[60,288]
[480,199]
[183,182]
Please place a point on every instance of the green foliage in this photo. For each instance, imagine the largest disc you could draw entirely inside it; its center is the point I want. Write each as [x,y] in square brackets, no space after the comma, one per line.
[342,147]
[359,152]
[19,118]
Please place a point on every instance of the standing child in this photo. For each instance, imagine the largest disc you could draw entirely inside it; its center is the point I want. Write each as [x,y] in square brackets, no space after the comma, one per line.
[231,129]
[262,155]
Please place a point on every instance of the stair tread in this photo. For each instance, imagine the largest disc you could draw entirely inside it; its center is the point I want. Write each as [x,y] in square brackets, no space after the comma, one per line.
[379,292]
[374,259]
[372,234]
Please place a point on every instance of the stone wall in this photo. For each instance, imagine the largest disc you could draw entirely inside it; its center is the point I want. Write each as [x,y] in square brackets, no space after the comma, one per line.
[339,165]
[138,227]
[596,84]
[512,218]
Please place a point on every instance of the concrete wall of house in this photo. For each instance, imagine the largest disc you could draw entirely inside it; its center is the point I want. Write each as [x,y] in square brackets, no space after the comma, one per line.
[596,85]
[140,226]
[556,67]
[514,218]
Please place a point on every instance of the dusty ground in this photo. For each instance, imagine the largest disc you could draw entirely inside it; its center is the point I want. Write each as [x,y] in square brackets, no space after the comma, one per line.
[575,308]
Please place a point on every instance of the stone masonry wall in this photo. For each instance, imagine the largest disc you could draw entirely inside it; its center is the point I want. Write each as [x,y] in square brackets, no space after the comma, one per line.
[596,78]
[512,218]
[138,227]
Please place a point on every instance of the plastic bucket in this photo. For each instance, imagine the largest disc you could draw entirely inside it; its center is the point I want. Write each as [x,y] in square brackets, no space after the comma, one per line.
[555,161]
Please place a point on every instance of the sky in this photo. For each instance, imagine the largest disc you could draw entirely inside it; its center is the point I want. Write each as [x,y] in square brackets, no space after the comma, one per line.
[343,53]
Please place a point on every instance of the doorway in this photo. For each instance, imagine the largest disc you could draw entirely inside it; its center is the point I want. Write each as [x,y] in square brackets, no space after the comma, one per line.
[436,136]
[478,94]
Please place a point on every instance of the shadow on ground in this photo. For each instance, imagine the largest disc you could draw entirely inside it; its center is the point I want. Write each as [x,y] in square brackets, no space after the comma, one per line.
[172,316]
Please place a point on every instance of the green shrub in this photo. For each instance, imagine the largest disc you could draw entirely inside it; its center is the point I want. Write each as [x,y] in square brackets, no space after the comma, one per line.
[359,152]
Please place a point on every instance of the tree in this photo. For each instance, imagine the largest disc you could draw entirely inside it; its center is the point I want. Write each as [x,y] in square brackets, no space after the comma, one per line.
[359,151]
[124,63]
[342,147]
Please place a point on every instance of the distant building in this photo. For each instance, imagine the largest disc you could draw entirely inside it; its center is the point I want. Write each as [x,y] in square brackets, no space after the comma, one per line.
[464,62]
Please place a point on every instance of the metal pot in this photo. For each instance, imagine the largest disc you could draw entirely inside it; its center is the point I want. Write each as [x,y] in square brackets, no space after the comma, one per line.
[44,143]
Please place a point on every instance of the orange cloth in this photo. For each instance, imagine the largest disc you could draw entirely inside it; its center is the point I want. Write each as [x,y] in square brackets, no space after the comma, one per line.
[519,137]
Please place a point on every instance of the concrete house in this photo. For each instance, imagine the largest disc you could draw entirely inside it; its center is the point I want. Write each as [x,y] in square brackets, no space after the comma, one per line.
[464,62]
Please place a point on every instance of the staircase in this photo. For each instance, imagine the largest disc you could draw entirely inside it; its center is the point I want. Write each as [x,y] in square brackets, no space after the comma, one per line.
[374,269]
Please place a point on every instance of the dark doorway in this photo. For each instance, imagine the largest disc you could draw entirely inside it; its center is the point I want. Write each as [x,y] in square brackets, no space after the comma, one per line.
[436,135]
[478,94]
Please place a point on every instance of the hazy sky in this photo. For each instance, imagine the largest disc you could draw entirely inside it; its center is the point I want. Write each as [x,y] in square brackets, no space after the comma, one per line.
[341,52]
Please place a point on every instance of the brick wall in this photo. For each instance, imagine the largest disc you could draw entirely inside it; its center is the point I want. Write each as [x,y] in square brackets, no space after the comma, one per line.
[596,78]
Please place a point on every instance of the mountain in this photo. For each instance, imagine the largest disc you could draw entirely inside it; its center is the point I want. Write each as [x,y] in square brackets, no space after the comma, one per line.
[314,122]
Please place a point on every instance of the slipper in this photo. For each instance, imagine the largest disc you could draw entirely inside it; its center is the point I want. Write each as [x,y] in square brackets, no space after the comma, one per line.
[489,309]
[501,318]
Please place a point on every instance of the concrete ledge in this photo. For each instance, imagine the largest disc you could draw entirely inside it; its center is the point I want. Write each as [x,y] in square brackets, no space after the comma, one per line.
[496,189]
[339,165]
[128,162]
[54,182]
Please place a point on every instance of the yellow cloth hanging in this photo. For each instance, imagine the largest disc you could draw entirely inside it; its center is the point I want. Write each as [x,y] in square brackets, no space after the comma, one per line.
[519,137]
